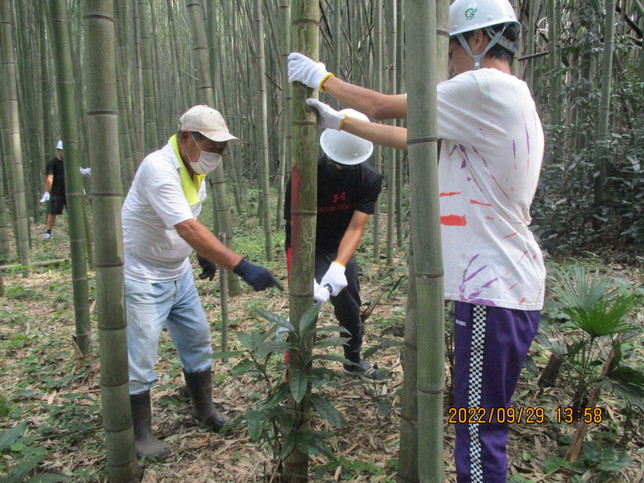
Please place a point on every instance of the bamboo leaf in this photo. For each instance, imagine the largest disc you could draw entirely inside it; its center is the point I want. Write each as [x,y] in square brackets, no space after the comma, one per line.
[331,329]
[46,478]
[243,367]
[325,357]
[276,319]
[327,411]
[331,342]
[272,346]
[298,382]
[309,318]
[12,435]
[251,341]
[25,468]
[311,442]
[553,463]
[320,375]
[245,340]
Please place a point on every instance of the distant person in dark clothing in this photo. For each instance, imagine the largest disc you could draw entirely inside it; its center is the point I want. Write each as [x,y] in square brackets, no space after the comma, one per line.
[348,190]
[55,188]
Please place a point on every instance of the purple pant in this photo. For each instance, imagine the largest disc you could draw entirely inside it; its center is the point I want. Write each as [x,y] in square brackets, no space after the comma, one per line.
[490,346]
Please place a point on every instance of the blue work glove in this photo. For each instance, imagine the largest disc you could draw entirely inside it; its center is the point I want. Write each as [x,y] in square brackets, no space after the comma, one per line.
[257,277]
[208,268]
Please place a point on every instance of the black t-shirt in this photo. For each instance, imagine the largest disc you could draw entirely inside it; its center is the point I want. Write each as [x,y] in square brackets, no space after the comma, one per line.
[340,193]
[55,167]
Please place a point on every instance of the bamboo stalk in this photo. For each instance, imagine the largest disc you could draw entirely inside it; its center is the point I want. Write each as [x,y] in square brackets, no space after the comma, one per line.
[223,297]
[422,78]
[102,109]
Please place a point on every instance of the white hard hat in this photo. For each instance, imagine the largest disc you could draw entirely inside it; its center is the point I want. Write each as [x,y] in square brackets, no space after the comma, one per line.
[345,148]
[59,145]
[468,15]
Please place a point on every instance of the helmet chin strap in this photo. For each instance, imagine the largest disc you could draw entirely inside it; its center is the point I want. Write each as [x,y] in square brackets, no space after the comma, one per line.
[477,58]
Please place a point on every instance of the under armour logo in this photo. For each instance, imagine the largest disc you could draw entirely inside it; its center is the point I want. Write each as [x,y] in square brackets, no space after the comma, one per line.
[339,197]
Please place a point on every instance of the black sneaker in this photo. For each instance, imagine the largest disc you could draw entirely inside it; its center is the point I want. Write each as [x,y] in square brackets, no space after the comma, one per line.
[365,371]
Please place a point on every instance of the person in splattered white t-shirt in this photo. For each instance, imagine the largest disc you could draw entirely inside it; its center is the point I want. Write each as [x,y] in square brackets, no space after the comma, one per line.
[489,167]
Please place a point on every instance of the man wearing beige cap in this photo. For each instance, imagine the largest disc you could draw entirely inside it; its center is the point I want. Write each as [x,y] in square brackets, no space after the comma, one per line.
[160,230]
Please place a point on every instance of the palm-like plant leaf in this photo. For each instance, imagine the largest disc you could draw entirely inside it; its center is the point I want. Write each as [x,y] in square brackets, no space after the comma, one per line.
[628,384]
[590,302]
[604,317]
[576,287]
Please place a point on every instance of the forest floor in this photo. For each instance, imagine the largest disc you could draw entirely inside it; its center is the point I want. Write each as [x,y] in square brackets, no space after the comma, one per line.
[44,384]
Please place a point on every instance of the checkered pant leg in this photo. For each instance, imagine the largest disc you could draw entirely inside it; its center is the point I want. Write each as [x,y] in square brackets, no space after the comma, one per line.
[475,388]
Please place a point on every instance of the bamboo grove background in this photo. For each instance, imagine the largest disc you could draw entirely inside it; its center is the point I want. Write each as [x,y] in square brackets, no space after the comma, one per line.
[114,90]
[590,193]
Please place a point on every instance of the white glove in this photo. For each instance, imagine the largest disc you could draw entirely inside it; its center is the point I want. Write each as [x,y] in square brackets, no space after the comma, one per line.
[320,294]
[306,71]
[86,171]
[328,117]
[335,278]
[45,197]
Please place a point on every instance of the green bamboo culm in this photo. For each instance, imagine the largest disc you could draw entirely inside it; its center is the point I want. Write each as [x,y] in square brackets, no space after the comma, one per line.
[392,153]
[378,150]
[425,232]
[555,85]
[408,452]
[206,95]
[73,183]
[102,124]
[12,123]
[29,105]
[48,93]
[263,135]
[603,155]
[305,35]
[285,124]
[5,213]
[147,71]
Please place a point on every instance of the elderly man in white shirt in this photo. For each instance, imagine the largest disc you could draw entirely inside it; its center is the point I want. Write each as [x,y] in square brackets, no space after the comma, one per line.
[160,231]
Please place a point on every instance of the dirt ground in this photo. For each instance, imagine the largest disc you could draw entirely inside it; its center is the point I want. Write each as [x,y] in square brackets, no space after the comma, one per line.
[45,384]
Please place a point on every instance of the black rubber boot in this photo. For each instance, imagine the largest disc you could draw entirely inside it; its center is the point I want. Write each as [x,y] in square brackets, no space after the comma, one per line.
[147,445]
[203,410]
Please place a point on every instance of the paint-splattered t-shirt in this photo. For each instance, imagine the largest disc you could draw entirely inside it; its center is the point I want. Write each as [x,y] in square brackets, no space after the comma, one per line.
[489,167]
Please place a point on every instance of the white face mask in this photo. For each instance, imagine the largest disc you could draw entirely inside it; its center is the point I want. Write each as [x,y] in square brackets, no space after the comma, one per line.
[206,163]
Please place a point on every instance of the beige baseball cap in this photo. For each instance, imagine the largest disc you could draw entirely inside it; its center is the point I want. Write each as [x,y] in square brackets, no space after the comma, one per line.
[207,121]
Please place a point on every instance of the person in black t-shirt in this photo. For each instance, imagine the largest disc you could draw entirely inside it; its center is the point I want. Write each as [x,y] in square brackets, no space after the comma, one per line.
[348,189]
[54,189]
